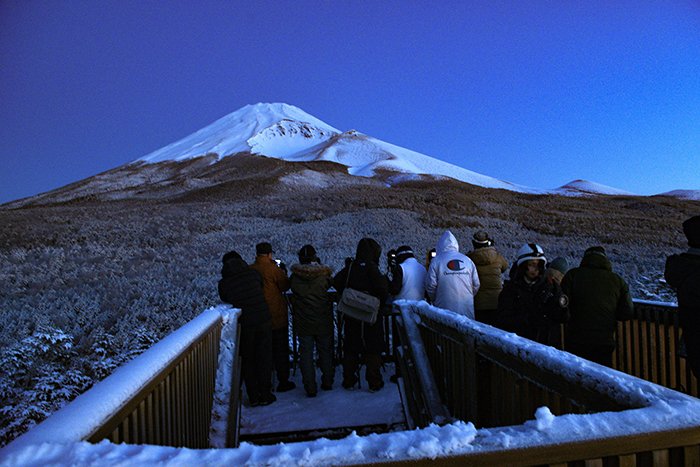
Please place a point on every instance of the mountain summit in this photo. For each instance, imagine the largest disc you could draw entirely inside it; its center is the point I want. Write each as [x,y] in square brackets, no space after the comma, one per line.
[258,128]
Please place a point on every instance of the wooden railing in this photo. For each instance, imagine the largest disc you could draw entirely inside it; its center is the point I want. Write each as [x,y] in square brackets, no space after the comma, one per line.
[174,409]
[648,346]
[497,379]
[162,397]
[419,393]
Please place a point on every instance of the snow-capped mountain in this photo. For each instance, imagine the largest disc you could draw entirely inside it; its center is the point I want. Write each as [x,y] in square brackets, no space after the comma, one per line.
[286,132]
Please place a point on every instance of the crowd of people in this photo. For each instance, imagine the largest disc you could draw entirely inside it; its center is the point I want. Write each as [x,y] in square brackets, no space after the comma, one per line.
[537,297]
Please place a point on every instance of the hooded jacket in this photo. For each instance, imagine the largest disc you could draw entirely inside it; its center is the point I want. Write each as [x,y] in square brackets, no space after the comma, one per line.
[311,302]
[452,279]
[598,298]
[275,283]
[241,286]
[489,266]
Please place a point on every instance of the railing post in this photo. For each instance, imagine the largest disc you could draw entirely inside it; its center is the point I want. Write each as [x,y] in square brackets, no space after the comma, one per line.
[436,410]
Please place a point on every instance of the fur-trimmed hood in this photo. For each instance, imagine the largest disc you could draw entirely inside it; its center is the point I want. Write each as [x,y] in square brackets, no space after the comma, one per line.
[311,270]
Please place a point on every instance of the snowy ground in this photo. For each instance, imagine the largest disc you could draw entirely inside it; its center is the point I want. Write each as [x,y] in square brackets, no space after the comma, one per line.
[336,408]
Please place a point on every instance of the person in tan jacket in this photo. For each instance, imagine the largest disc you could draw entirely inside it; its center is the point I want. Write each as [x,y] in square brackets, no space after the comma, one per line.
[489,266]
[275,283]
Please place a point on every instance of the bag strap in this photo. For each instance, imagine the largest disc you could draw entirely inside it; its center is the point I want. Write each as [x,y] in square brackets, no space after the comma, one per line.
[347,279]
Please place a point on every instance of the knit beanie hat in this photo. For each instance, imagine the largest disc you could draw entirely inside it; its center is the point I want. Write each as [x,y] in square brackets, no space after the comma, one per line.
[481,239]
[560,264]
[598,250]
[691,229]
[403,253]
[307,254]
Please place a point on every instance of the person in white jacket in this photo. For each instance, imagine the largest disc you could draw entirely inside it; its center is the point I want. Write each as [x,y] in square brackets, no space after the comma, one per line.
[452,280]
[408,276]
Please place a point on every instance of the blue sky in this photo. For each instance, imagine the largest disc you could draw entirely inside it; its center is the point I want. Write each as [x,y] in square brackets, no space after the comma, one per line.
[537,93]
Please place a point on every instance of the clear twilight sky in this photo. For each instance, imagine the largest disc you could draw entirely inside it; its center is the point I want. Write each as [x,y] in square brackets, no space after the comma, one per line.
[537,93]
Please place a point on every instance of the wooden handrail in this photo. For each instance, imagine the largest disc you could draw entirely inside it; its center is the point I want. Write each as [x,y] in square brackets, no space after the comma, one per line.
[419,392]
[495,379]
[162,397]
[648,346]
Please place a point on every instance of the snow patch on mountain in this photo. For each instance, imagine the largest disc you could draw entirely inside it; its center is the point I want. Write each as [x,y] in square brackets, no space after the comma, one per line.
[586,187]
[683,194]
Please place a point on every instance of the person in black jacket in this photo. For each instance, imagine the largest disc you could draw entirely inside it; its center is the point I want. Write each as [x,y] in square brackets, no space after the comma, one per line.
[363,339]
[683,275]
[529,304]
[241,286]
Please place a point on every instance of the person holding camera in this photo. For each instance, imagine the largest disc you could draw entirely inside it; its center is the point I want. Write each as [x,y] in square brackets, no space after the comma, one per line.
[529,304]
[275,284]
[362,340]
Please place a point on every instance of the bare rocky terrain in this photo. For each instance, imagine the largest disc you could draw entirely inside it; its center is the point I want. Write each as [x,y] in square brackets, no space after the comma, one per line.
[95,272]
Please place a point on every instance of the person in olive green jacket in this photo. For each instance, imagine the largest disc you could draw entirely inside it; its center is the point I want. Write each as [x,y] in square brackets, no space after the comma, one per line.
[490,264]
[313,318]
[598,298]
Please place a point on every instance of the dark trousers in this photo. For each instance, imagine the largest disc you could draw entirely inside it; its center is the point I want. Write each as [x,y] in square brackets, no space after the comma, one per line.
[280,353]
[324,348]
[256,360]
[363,341]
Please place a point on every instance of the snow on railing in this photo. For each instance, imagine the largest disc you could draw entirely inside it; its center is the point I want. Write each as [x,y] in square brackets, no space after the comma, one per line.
[81,418]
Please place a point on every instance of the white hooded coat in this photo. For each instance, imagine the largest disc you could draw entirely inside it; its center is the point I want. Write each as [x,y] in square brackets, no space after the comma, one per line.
[452,280]
[413,285]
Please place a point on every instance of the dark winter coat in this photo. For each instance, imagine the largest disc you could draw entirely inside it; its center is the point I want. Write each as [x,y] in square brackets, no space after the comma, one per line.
[683,274]
[490,265]
[275,283]
[364,276]
[532,310]
[241,286]
[598,298]
[311,302]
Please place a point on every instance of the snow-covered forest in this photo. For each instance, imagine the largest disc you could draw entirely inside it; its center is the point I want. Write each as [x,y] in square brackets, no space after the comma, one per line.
[87,286]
